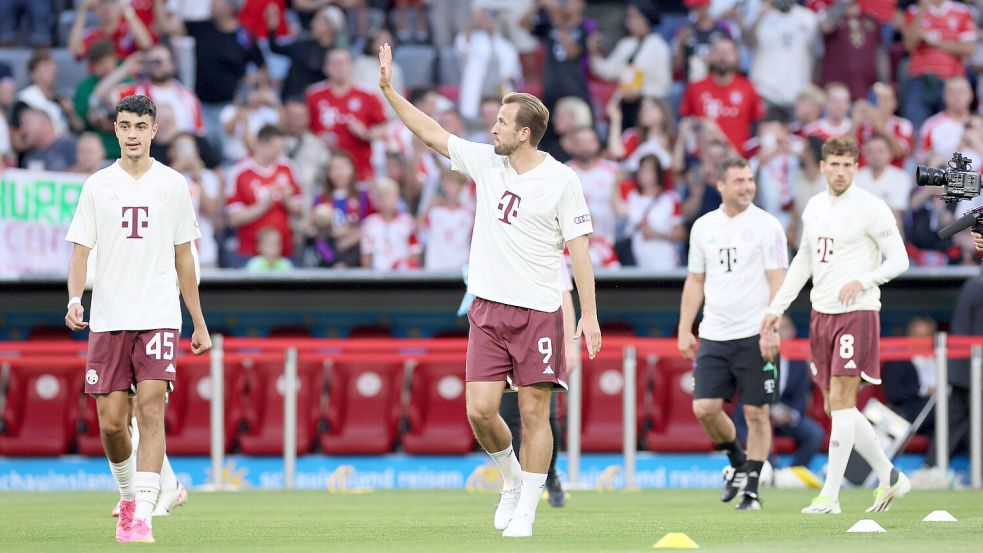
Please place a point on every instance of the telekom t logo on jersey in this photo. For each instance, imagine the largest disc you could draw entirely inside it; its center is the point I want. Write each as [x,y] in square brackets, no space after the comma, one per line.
[825,248]
[132,221]
[509,206]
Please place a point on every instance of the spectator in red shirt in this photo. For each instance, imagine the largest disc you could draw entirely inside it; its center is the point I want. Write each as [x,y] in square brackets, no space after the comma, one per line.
[264,194]
[254,13]
[347,117]
[940,34]
[852,38]
[117,22]
[725,96]
[871,119]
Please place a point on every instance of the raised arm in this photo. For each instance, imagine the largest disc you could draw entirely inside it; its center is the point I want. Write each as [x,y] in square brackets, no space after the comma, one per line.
[419,123]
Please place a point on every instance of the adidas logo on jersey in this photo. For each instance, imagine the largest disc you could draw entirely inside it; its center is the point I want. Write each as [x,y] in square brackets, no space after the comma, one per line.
[549,370]
[170,368]
[850,365]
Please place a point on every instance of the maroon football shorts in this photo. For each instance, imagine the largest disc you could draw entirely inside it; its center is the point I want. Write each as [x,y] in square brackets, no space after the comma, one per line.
[845,344]
[515,344]
[118,359]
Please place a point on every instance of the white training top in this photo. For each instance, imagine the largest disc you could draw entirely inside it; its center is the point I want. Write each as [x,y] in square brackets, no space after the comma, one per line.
[521,225]
[844,239]
[135,224]
[734,253]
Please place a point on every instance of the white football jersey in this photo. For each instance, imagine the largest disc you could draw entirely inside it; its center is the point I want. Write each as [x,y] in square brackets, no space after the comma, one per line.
[390,243]
[448,238]
[135,224]
[600,184]
[521,225]
[734,253]
[844,239]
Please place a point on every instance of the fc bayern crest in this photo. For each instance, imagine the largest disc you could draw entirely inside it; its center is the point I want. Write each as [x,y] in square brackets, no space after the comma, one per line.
[354,104]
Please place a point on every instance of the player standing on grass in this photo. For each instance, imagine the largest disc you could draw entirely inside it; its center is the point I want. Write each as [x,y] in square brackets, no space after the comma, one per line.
[737,260]
[529,205]
[847,231]
[139,214]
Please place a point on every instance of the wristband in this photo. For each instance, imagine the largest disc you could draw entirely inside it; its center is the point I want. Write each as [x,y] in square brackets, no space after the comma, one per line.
[74,301]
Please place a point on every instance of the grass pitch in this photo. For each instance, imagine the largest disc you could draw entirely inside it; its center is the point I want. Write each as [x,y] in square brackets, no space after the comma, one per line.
[443,521]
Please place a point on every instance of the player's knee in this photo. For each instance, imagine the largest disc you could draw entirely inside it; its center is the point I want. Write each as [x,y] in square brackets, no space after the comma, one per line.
[481,415]
[113,429]
[756,415]
[535,419]
[150,414]
[706,409]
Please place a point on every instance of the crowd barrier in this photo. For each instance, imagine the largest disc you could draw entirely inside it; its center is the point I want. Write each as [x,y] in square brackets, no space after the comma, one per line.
[356,396]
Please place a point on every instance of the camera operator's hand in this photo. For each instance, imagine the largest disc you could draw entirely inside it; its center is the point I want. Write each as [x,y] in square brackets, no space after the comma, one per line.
[978,241]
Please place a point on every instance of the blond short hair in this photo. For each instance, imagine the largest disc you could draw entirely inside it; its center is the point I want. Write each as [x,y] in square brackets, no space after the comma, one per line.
[532,114]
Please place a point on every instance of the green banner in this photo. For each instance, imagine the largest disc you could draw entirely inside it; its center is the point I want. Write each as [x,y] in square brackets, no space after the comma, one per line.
[36,209]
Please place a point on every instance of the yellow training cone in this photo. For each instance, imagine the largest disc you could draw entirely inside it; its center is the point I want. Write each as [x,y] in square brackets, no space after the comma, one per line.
[675,540]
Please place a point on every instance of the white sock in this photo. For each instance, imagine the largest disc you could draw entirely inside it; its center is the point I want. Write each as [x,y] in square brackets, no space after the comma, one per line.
[870,449]
[134,433]
[168,480]
[508,464]
[532,491]
[841,440]
[123,472]
[148,487]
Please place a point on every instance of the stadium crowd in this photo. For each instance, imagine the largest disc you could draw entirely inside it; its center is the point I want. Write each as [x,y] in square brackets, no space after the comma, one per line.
[271,108]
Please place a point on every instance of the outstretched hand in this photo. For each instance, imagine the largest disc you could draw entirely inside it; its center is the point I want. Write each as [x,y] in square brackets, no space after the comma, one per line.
[385,66]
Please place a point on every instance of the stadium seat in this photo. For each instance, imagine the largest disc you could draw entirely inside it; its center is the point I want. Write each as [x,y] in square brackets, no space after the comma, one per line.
[51,332]
[449,69]
[417,61]
[438,422]
[364,406]
[89,440]
[17,59]
[680,431]
[370,331]
[70,71]
[602,429]
[188,416]
[41,408]
[263,411]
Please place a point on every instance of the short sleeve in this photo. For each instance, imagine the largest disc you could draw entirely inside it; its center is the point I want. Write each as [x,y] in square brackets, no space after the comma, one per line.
[775,246]
[469,157]
[186,228]
[573,215]
[82,231]
[696,262]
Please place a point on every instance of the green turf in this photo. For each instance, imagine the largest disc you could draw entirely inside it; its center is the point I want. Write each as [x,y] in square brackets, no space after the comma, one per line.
[439,521]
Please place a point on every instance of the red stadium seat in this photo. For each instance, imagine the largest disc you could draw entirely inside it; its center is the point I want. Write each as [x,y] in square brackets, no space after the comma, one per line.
[89,441]
[603,381]
[437,412]
[680,431]
[363,408]
[41,408]
[188,416]
[263,412]
[370,331]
